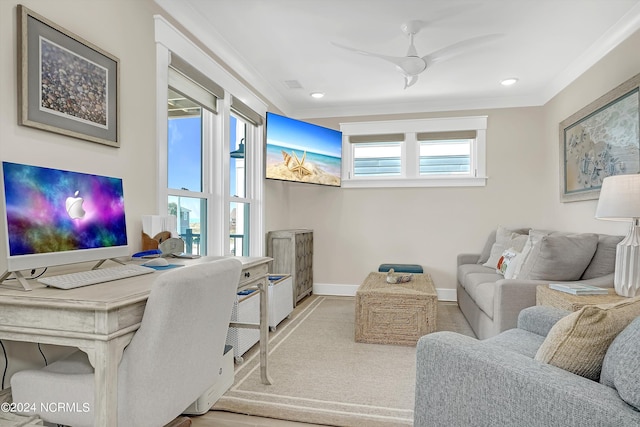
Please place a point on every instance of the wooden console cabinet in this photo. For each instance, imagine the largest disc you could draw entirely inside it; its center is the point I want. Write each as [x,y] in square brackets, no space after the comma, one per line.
[292,253]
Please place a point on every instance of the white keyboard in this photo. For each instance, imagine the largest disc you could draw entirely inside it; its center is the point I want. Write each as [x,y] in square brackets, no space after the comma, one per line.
[92,277]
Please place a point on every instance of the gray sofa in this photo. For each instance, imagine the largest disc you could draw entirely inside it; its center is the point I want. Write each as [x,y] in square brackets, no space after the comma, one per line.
[491,303]
[462,381]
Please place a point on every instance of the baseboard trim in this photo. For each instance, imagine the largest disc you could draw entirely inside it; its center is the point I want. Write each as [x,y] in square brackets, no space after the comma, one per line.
[350,291]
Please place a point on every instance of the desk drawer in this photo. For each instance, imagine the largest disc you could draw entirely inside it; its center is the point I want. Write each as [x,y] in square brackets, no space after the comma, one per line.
[252,274]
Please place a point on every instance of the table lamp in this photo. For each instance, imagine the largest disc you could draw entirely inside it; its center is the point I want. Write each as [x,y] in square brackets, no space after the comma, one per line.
[620,201]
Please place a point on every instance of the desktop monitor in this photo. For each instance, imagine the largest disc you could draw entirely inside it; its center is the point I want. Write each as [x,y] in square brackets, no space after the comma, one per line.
[55,217]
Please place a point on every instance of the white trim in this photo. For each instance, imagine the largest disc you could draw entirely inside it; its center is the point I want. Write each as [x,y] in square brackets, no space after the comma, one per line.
[162,116]
[410,177]
[439,124]
[400,182]
[335,290]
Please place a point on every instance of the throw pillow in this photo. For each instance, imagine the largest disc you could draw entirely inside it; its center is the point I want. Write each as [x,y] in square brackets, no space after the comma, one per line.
[505,239]
[506,261]
[578,342]
[604,260]
[532,239]
[621,365]
[559,257]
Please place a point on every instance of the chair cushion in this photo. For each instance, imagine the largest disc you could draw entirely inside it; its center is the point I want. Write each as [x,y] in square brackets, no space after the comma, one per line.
[604,260]
[578,342]
[559,257]
[518,340]
[621,365]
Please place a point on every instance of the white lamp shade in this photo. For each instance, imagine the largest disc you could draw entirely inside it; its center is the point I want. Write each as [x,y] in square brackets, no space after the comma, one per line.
[619,198]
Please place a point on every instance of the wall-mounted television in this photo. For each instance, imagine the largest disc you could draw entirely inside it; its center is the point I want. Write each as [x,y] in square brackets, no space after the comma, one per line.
[55,217]
[302,152]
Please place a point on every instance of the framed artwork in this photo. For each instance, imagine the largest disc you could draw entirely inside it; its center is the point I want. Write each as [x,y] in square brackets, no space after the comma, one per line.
[600,140]
[66,84]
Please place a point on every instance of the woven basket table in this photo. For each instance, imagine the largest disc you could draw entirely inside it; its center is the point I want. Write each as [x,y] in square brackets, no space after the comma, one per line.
[395,314]
[570,302]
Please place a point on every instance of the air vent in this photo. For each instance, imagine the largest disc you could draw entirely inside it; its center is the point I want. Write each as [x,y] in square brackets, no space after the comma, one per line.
[292,84]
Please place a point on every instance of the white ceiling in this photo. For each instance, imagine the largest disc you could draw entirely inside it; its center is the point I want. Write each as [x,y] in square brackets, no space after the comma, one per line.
[546,44]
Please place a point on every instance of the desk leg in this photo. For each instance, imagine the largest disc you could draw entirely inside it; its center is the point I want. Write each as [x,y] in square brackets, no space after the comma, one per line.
[105,358]
[263,286]
[106,384]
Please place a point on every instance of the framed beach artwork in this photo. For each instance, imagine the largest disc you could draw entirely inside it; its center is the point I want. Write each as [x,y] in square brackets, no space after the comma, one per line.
[66,84]
[600,140]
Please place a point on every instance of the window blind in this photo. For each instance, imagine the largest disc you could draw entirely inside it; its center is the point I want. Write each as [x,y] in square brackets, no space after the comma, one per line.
[187,80]
[246,112]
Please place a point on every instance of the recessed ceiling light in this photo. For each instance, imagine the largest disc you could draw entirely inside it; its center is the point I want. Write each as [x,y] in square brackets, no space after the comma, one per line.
[508,82]
[317,95]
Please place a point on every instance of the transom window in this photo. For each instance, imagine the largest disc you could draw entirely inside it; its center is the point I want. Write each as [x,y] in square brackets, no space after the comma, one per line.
[415,153]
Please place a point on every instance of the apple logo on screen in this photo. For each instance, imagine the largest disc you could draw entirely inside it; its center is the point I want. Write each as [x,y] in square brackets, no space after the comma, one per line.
[74,206]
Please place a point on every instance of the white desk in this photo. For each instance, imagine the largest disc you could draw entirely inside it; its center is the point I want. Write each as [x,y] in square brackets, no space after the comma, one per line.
[101,320]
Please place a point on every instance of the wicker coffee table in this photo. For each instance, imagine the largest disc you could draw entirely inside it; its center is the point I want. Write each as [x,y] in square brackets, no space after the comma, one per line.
[395,314]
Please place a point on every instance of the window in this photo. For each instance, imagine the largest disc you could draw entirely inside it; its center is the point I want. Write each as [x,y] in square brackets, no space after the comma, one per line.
[210,169]
[415,153]
[189,121]
[377,159]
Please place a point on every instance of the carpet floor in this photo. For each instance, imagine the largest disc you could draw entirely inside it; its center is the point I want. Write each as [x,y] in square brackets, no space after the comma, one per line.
[322,376]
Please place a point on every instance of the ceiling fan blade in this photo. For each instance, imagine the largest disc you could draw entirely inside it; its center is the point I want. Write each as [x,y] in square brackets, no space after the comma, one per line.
[457,48]
[410,81]
[397,60]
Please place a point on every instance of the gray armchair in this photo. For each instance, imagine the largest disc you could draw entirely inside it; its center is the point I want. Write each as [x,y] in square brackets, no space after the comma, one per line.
[172,359]
[461,381]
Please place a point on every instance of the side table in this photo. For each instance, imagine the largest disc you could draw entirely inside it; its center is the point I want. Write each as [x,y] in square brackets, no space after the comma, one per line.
[570,302]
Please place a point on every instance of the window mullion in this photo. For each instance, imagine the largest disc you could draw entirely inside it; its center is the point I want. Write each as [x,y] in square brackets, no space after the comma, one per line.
[411,156]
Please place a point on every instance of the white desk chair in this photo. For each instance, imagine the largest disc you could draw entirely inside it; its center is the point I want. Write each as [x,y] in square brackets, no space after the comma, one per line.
[172,359]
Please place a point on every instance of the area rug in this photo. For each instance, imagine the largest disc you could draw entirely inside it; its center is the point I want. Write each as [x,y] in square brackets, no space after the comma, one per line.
[322,376]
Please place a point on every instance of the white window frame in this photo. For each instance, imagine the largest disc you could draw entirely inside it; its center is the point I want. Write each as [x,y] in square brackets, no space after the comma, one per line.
[216,171]
[410,169]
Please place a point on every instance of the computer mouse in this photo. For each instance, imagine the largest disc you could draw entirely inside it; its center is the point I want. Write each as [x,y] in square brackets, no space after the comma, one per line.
[156,262]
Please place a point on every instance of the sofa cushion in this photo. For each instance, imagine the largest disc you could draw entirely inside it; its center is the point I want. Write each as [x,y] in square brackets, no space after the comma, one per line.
[559,257]
[481,287]
[578,342]
[466,269]
[486,250]
[505,239]
[621,365]
[604,259]
[533,238]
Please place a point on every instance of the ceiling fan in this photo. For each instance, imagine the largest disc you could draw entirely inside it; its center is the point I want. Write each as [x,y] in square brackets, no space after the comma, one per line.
[411,65]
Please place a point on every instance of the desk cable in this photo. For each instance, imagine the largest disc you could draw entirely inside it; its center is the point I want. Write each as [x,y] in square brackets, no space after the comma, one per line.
[6,361]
